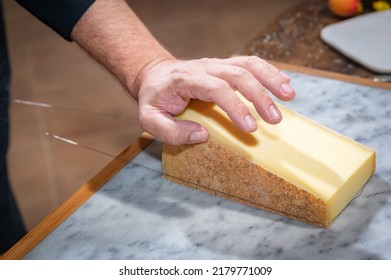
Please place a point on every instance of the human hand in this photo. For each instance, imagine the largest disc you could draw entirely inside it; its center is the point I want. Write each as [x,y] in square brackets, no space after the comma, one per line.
[165,89]
[163,86]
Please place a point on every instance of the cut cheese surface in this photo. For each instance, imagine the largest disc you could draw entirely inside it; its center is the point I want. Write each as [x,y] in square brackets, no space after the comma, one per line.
[325,163]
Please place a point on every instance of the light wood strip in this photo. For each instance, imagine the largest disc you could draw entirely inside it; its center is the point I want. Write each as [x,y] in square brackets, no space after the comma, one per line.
[44,228]
[330,75]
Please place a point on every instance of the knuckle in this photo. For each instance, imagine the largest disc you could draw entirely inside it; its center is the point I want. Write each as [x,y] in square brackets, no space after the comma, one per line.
[257,63]
[264,96]
[144,123]
[145,120]
[241,73]
[165,135]
[253,60]
[204,60]
[168,136]
[176,78]
[220,85]
[240,108]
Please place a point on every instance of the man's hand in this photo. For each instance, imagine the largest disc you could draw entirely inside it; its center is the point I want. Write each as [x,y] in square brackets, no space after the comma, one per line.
[163,86]
[165,89]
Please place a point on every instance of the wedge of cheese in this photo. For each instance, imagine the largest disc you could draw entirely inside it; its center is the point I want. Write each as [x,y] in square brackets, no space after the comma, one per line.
[297,168]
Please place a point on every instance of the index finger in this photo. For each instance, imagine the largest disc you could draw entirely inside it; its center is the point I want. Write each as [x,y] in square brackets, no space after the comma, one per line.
[269,76]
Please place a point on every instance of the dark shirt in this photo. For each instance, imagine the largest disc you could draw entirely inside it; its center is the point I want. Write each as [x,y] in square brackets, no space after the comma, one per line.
[60,15]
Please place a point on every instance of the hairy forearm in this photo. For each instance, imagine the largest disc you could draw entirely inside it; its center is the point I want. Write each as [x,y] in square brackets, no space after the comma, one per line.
[163,86]
[113,35]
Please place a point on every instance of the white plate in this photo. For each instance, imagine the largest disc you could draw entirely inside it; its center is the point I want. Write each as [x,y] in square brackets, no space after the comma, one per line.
[365,39]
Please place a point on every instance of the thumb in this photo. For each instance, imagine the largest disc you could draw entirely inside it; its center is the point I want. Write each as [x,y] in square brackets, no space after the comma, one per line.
[188,132]
[176,132]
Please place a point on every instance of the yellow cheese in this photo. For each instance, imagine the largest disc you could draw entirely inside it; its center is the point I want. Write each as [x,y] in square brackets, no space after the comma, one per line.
[323,162]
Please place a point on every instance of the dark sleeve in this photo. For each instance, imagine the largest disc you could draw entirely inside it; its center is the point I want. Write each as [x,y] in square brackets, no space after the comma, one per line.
[60,15]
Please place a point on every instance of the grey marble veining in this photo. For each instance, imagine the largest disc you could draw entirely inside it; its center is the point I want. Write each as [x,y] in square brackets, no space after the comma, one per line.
[139,215]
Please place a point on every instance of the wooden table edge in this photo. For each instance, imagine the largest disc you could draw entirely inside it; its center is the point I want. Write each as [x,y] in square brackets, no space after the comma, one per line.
[330,75]
[47,225]
[44,228]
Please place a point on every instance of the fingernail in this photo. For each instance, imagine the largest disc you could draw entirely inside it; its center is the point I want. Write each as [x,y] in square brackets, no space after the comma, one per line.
[285,76]
[286,89]
[198,137]
[274,112]
[250,122]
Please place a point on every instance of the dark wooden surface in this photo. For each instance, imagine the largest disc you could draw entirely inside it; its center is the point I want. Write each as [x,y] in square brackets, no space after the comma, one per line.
[294,38]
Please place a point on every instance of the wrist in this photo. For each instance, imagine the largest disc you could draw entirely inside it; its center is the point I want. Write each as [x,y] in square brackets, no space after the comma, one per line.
[114,36]
[133,85]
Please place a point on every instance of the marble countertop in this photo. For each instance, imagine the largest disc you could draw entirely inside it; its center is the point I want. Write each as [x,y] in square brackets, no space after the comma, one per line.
[139,215]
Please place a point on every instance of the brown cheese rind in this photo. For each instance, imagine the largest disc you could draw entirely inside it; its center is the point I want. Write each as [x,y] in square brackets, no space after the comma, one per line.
[213,168]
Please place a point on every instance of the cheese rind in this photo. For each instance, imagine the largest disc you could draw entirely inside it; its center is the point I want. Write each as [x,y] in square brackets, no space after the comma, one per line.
[215,169]
[307,156]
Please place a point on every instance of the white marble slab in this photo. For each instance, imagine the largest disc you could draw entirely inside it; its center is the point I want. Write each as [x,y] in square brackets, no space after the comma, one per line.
[138,215]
